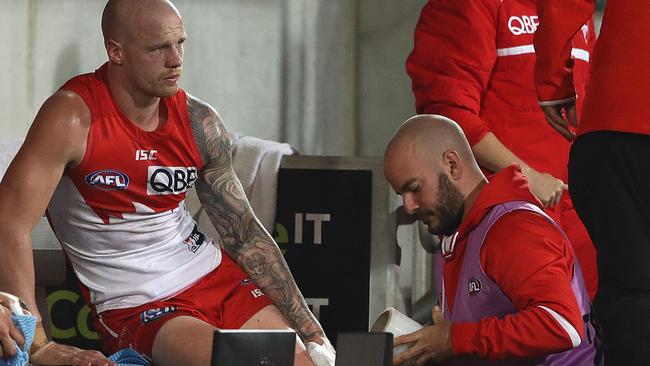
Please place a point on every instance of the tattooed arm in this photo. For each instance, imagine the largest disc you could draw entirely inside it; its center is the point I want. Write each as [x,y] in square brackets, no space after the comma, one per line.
[243,237]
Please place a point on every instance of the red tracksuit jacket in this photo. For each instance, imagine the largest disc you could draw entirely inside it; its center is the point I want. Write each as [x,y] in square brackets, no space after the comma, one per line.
[617,98]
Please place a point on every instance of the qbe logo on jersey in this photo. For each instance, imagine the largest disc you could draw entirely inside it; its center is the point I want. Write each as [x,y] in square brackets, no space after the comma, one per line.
[170,179]
[523,24]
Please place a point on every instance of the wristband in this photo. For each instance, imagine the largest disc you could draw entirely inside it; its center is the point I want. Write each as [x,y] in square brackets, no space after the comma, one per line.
[40,339]
[34,353]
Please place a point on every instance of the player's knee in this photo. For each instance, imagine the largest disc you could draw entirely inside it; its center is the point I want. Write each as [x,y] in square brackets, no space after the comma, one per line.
[183,341]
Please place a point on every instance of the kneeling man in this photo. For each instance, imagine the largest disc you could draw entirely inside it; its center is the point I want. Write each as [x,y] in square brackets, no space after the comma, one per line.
[513,291]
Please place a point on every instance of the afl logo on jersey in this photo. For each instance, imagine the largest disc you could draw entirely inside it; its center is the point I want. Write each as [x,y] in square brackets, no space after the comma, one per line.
[474,286]
[108,180]
[170,179]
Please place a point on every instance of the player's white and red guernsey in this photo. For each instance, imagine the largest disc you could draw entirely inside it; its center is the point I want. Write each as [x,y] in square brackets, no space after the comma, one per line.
[120,214]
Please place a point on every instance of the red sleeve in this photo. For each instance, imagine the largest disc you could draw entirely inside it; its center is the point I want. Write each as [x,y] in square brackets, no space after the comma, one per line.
[559,20]
[455,50]
[533,265]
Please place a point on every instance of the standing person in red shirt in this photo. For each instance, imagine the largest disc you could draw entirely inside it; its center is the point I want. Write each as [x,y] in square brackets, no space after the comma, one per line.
[513,292]
[473,62]
[609,165]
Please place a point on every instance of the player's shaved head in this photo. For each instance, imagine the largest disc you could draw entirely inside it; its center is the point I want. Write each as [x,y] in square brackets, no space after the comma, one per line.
[122,19]
[144,43]
[429,136]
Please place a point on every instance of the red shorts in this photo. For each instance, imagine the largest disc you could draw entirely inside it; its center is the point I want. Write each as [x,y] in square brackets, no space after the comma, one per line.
[225,298]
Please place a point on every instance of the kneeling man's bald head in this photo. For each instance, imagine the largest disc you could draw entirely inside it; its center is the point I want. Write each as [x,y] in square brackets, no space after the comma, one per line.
[428,137]
[430,163]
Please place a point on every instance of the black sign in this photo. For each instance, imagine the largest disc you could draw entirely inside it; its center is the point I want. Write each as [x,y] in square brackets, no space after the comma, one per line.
[324,229]
[70,318]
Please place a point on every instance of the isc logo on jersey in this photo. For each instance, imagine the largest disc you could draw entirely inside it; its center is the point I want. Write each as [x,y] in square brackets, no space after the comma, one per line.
[108,180]
[170,180]
[523,25]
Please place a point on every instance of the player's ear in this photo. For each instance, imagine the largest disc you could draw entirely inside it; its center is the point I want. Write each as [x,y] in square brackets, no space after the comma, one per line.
[115,51]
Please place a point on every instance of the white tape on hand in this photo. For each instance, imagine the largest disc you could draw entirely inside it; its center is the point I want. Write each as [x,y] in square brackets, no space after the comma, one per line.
[321,355]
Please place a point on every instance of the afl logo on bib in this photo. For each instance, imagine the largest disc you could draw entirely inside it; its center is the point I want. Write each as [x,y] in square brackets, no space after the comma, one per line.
[108,180]
[474,286]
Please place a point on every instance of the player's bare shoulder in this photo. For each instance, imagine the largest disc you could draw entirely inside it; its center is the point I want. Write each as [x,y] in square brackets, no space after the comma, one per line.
[63,123]
[69,109]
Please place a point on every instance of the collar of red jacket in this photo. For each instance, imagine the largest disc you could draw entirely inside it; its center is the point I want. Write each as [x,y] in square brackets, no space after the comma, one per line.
[509,184]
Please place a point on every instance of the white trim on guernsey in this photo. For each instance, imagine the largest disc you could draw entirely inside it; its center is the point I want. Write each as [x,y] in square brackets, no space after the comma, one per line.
[110,331]
[577,53]
[568,327]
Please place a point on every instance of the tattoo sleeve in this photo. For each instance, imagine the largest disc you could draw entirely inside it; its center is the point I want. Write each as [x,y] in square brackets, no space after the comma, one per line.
[242,236]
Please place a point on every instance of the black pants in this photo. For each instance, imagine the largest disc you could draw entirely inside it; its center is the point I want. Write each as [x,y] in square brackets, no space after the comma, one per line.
[609,182]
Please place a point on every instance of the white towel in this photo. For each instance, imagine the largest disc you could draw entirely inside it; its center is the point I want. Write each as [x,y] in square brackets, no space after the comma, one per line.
[256,163]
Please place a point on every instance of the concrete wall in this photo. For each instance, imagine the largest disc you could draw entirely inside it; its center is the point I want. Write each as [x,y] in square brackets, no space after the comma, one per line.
[232,61]
[319,71]
[13,99]
[43,50]
[385,40]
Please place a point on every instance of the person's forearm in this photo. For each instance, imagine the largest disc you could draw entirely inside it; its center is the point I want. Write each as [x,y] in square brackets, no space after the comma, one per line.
[559,20]
[246,242]
[17,268]
[271,273]
[491,154]
[242,236]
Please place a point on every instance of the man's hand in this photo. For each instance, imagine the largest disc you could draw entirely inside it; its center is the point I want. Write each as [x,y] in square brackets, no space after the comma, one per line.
[8,334]
[546,188]
[556,118]
[58,354]
[432,343]
[321,354]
